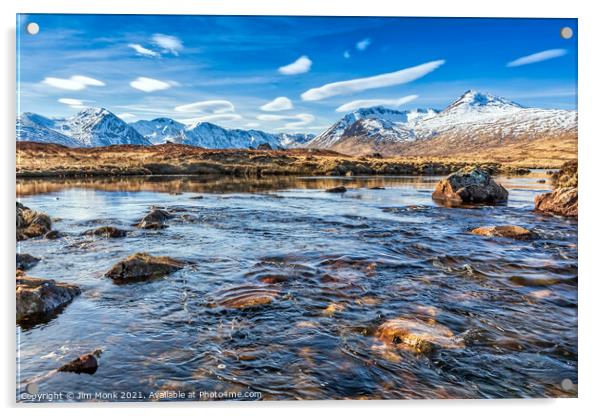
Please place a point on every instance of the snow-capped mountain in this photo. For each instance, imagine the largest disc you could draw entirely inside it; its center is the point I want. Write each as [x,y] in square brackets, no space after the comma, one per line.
[373,120]
[35,128]
[292,140]
[215,137]
[99,127]
[212,136]
[475,121]
[88,128]
[160,130]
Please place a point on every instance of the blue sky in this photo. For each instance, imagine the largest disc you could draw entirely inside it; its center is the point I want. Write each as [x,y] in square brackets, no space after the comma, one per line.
[286,73]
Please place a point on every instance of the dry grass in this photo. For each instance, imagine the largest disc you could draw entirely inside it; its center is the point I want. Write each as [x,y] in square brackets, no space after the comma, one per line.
[50,160]
[523,151]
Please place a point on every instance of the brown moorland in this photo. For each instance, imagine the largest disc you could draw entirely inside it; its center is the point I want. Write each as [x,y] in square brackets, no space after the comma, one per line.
[52,160]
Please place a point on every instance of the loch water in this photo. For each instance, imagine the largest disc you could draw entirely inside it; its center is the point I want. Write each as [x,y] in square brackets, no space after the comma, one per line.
[336,265]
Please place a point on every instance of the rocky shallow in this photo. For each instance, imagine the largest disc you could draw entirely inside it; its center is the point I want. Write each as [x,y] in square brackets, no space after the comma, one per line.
[276,284]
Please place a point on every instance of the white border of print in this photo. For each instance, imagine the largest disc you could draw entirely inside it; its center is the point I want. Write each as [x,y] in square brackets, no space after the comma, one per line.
[590,139]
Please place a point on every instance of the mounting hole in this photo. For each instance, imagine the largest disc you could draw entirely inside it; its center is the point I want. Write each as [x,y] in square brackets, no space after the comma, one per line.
[33,28]
[567,384]
[32,388]
[566,32]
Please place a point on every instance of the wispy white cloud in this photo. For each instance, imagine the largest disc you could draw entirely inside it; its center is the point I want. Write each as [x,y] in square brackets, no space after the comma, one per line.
[74,83]
[537,57]
[278,104]
[346,55]
[252,124]
[168,43]
[300,66]
[214,106]
[72,102]
[378,81]
[141,50]
[363,44]
[150,84]
[126,116]
[212,118]
[354,105]
[295,121]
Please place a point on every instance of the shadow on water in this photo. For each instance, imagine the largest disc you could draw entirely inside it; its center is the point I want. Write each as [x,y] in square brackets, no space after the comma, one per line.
[288,286]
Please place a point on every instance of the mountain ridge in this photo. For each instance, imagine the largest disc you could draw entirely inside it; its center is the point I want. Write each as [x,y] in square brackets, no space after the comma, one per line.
[475,122]
[93,127]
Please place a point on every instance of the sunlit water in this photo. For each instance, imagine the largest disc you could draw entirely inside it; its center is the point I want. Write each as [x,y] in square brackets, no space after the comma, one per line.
[369,254]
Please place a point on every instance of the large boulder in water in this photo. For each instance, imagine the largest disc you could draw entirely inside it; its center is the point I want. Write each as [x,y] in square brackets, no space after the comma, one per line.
[31,223]
[564,200]
[37,298]
[141,267]
[470,185]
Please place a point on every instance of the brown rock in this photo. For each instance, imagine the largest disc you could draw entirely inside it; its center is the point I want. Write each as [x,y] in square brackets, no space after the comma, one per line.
[470,185]
[106,232]
[36,298]
[154,219]
[567,176]
[26,261]
[418,335]
[508,231]
[141,267]
[562,201]
[337,190]
[87,363]
[31,223]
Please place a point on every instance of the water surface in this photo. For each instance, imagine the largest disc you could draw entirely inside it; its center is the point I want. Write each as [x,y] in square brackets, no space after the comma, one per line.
[339,264]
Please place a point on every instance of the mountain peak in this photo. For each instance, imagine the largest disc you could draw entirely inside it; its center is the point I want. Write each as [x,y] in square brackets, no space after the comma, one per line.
[94,111]
[476,100]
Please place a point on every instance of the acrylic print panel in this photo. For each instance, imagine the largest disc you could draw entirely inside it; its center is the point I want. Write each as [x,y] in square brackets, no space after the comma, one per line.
[279,208]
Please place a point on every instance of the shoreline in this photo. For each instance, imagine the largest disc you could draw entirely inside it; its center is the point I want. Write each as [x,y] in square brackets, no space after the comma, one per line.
[41,160]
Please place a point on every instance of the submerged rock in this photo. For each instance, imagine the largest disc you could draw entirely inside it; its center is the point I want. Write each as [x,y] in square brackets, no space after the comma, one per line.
[31,223]
[141,267]
[508,231]
[36,298]
[245,297]
[337,190]
[52,235]
[154,219]
[87,363]
[470,185]
[417,335]
[106,232]
[26,261]
[564,200]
